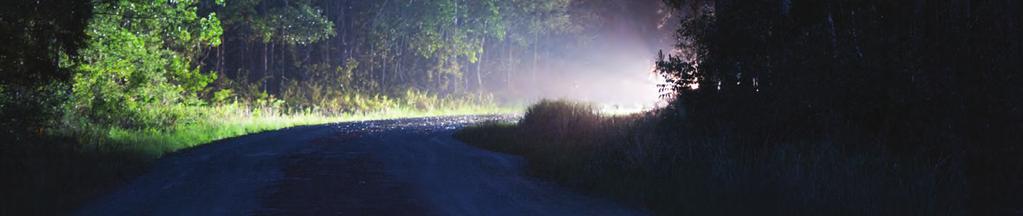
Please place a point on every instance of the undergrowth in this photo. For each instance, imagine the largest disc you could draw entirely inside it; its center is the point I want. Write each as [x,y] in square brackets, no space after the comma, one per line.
[647,162]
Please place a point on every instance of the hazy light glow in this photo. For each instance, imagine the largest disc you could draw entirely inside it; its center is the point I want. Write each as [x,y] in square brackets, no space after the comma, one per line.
[614,69]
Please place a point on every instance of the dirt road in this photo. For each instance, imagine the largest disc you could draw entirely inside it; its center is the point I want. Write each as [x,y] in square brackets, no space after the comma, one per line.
[391,167]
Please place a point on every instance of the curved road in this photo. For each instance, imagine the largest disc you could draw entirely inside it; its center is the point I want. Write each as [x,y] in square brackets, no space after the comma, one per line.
[390,167]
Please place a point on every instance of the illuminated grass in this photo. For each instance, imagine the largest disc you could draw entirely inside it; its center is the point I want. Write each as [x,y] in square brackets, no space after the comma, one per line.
[231,121]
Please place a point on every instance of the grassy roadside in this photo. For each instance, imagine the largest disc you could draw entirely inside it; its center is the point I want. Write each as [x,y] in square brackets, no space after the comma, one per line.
[639,160]
[230,121]
[53,174]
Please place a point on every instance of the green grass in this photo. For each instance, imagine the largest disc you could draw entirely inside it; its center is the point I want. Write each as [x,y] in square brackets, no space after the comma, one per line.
[231,121]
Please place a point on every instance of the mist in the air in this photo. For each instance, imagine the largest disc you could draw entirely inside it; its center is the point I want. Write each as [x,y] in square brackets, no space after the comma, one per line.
[614,67]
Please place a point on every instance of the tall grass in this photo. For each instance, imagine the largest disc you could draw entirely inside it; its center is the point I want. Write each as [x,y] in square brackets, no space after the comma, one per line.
[204,124]
[642,160]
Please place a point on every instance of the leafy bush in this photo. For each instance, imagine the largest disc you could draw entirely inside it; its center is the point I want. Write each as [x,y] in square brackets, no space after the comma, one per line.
[223,96]
[560,116]
[137,75]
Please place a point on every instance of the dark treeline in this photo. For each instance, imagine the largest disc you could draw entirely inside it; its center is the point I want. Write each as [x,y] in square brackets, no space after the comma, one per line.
[806,107]
[934,80]
[33,40]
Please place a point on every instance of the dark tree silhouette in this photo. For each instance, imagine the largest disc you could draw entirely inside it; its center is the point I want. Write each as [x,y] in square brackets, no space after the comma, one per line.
[922,79]
[34,35]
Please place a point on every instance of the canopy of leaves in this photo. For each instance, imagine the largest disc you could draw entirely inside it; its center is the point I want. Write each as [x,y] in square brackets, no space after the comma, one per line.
[294,23]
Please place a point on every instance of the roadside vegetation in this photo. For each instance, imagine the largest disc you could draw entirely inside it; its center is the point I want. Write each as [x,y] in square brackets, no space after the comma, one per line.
[642,160]
[773,106]
[805,108]
[92,92]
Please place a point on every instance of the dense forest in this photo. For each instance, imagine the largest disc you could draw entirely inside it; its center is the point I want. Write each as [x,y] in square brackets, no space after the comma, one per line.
[91,91]
[112,62]
[783,107]
[468,49]
[332,56]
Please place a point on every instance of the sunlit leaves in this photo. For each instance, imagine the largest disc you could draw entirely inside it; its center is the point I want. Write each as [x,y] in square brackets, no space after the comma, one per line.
[210,29]
[140,56]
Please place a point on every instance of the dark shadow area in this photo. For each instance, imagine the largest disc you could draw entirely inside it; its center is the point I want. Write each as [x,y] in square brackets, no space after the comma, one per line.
[808,108]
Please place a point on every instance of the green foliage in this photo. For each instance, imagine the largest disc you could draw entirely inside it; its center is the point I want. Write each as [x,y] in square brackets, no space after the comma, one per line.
[443,46]
[295,23]
[143,85]
[139,61]
[34,35]
[223,96]
[533,18]
[420,100]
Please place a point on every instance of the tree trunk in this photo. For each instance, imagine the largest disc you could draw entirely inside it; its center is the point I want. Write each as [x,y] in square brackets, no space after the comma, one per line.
[273,72]
[479,63]
[266,69]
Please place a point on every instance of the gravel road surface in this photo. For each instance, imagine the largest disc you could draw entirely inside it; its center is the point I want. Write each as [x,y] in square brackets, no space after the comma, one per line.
[388,167]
